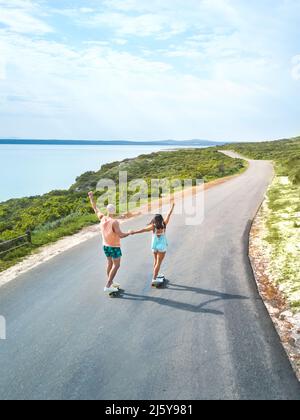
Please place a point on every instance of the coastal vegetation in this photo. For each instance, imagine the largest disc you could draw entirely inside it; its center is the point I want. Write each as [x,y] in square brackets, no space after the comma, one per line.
[284,153]
[280,214]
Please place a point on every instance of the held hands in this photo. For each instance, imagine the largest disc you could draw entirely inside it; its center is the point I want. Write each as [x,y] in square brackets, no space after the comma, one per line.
[126,235]
[129,233]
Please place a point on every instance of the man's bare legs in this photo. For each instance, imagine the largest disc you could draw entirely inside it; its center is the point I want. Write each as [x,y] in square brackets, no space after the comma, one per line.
[113,267]
[109,266]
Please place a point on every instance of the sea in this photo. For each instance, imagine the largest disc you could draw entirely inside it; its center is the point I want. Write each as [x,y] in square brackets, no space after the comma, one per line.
[29,170]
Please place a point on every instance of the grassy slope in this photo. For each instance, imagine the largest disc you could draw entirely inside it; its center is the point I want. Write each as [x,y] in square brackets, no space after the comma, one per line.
[281,212]
[62,213]
[285,154]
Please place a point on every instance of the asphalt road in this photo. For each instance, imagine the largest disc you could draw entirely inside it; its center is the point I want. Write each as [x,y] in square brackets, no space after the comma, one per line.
[206,336]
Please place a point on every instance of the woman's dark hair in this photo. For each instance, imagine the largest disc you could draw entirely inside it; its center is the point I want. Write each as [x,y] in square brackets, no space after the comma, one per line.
[158,222]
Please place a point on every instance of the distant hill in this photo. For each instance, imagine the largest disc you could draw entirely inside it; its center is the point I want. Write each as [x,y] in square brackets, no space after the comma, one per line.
[110,142]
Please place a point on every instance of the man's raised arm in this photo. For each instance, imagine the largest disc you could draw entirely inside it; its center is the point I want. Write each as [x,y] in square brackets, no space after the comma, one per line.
[94,205]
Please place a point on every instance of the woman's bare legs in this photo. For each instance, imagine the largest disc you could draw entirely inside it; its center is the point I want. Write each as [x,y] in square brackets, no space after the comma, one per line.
[155,254]
[159,260]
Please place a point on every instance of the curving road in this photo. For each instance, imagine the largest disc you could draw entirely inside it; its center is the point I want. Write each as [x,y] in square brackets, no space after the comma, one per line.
[206,336]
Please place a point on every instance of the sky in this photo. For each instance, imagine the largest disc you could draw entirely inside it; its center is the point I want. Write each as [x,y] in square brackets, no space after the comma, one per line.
[161,69]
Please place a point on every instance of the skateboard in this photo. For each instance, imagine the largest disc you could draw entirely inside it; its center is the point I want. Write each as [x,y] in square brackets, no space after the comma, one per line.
[116,294]
[160,281]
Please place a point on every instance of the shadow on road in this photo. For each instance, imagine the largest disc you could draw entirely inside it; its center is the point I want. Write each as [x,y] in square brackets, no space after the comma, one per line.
[183,306]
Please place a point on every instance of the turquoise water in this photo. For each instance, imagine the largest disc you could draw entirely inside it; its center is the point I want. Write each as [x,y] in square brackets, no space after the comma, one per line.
[34,170]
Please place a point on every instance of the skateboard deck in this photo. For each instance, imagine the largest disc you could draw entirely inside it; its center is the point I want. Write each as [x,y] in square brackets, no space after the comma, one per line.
[116,294]
[160,281]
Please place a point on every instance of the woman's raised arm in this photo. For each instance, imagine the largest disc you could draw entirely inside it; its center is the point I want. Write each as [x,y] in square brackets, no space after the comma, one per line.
[167,220]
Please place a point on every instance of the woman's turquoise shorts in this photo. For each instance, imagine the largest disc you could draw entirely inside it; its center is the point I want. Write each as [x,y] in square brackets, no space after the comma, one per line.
[159,244]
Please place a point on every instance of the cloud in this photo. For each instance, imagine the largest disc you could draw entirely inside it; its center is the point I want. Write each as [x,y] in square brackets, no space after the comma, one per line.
[296,67]
[106,93]
[120,41]
[2,68]
[149,69]
[144,25]
[87,10]
[19,16]
[19,4]
[163,20]
[19,21]
[3,60]
[173,6]
[186,53]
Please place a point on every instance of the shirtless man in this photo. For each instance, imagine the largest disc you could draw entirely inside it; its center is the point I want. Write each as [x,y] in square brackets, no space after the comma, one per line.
[112,235]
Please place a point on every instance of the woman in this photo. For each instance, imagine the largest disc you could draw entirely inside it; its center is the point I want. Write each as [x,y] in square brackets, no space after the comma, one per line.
[158,227]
